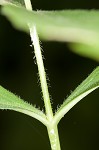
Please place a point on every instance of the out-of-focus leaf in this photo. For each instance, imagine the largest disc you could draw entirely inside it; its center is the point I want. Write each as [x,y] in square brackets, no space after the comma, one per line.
[76,26]
[15,2]
[85,50]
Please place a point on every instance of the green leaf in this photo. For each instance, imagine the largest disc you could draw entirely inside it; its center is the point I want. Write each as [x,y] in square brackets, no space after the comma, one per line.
[76,26]
[87,86]
[15,2]
[86,50]
[12,102]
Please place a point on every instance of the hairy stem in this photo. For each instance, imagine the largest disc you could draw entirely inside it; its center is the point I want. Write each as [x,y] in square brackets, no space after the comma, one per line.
[42,74]
[52,128]
[41,70]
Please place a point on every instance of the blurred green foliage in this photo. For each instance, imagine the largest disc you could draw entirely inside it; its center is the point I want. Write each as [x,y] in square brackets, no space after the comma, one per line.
[80,27]
[80,127]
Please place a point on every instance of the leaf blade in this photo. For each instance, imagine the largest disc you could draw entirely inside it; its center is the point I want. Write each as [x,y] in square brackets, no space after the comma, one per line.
[87,86]
[15,2]
[77,26]
[12,102]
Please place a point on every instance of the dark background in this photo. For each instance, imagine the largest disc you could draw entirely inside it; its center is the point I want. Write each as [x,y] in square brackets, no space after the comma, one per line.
[79,129]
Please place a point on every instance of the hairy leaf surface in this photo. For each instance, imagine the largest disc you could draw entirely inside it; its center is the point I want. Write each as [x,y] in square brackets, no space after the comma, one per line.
[87,86]
[12,102]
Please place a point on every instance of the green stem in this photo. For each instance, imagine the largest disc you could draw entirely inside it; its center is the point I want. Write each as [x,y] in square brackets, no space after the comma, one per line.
[52,128]
[41,70]
[42,74]
[28,4]
[54,137]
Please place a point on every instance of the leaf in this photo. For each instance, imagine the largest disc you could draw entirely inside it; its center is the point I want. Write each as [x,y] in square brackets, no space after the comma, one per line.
[15,2]
[12,102]
[85,50]
[87,86]
[77,26]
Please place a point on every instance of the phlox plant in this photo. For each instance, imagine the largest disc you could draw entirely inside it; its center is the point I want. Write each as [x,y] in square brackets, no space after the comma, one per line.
[71,28]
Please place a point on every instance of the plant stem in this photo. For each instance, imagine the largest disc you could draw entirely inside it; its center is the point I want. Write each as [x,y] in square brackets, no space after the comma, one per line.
[42,74]
[54,137]
[41,70]
[28,4]
[52,128]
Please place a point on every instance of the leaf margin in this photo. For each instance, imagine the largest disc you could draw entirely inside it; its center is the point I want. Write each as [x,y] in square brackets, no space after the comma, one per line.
[70,101]
[20,105]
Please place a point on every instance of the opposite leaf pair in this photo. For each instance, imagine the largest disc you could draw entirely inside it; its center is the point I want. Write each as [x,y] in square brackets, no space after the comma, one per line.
[61,26]
[9,101]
